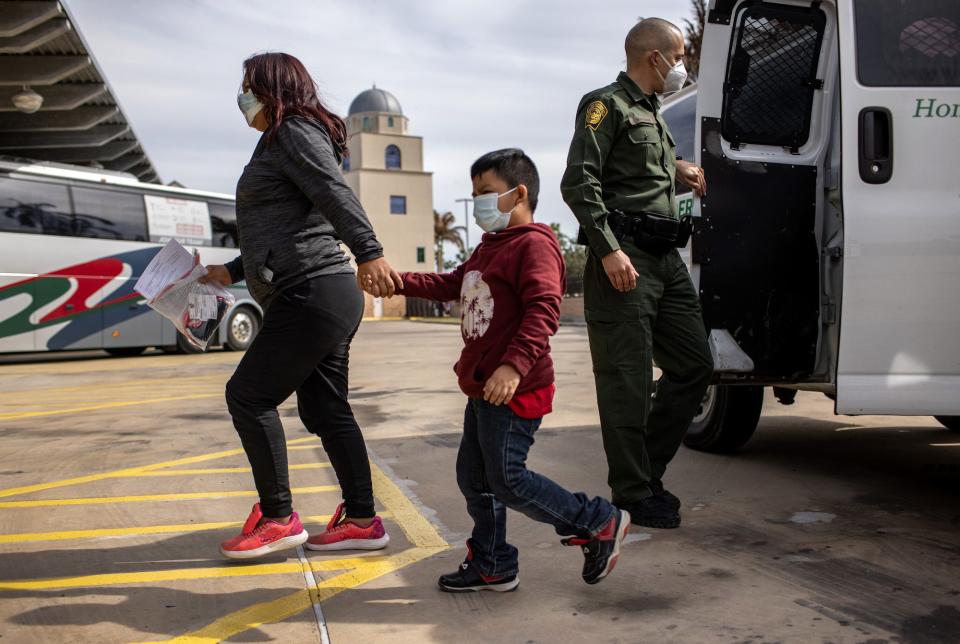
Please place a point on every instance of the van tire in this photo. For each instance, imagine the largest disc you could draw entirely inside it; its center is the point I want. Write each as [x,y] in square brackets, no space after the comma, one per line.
[241,328]
[727,418]
[950,422]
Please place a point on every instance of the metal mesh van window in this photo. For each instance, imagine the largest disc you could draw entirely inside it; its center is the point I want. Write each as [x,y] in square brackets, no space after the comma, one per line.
[908,44]
[772,75]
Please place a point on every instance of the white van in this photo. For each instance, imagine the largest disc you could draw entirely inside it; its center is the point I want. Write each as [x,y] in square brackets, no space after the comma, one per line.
[827,248]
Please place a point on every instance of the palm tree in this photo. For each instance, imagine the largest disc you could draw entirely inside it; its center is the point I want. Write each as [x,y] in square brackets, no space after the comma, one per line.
[446,230]
[694,35]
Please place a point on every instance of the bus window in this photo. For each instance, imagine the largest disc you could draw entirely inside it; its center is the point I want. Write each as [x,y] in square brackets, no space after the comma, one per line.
[109,214]
[223,219]
[34,207]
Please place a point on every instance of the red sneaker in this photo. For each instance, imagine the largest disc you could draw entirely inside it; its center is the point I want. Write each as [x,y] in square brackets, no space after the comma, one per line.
[344,535]
[257,539]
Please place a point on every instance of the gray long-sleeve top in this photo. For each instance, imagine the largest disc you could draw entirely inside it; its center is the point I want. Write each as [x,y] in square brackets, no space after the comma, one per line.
[293,209]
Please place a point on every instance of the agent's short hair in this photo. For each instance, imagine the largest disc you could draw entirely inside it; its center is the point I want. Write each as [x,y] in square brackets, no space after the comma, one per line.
[650,34]
[514,167]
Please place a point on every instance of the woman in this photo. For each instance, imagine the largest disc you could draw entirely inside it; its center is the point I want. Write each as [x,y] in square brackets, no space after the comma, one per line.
[293,210]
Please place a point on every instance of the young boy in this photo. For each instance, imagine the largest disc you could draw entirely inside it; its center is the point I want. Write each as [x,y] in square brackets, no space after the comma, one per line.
[510,291]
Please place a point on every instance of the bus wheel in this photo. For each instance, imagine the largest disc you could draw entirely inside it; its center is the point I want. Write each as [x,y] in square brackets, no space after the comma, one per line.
[950,422]
[125,352]
[184,346]
[726,419]
[241,328]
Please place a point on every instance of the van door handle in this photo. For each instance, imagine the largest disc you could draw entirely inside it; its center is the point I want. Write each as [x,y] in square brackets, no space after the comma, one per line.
[876,145]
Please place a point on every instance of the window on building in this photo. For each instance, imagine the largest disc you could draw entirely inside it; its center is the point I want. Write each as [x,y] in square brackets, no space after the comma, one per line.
[389,121]
[366,123]
[392,157]
[109,214]
[223,221]
[35,207]
[421,255]
[346,163]
[398,205]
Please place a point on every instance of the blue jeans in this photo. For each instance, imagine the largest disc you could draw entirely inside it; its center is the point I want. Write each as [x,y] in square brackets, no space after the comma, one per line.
[493,476]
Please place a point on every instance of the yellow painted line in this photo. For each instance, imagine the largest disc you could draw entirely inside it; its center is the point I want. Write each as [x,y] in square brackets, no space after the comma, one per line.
[143,498]
[113,474]
[287,606]
[113,405]
[418,529]
[175,574]
[225,470]
[113,386]
[137,531]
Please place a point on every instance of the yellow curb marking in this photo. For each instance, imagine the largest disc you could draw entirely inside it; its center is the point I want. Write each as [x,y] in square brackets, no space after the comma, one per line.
[227,470]
[142,498]
[130,471]
[113,405]
[427,542]
[106,533]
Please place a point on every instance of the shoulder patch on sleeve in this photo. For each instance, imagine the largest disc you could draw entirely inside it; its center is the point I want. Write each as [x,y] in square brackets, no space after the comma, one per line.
[596,112]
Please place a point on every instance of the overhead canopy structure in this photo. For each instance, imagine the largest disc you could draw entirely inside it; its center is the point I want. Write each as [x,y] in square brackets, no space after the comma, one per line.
[80,120]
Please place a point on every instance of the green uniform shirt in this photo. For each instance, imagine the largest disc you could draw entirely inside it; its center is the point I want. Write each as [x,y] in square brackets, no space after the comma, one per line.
[622,157]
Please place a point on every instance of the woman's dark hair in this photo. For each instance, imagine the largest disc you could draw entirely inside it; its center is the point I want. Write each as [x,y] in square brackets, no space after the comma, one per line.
[285,87]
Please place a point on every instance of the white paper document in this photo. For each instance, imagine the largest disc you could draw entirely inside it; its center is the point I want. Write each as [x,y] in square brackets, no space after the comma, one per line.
[172,263]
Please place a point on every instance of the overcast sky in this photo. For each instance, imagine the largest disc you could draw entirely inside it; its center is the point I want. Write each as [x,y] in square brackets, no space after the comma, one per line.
[472,76]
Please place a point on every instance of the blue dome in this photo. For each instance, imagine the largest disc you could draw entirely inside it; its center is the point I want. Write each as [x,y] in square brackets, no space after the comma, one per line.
[375,100]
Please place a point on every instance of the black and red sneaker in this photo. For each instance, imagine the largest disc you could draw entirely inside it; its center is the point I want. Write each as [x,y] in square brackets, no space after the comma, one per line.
[600,553]
[468,579]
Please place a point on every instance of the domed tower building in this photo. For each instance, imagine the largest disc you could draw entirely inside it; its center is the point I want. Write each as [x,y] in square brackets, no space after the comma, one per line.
[385,170]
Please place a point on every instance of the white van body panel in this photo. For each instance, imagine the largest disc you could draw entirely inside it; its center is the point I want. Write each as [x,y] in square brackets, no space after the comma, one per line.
[900,315]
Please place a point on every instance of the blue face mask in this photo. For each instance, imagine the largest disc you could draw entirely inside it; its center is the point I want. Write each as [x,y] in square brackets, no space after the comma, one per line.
[487,213]
[249,105]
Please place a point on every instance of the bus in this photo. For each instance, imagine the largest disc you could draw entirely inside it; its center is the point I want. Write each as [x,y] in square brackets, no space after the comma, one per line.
[73,242]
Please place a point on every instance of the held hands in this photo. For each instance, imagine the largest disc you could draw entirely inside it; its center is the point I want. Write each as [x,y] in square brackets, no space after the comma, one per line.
[217,273]
[501,386]
[620,270]
[692,176]
[377,278]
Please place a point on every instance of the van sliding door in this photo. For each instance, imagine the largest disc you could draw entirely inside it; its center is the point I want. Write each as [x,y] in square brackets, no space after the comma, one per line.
[762,137]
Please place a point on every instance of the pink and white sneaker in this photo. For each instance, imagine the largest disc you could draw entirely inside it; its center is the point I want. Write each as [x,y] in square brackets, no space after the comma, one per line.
[344,535]
[258,539]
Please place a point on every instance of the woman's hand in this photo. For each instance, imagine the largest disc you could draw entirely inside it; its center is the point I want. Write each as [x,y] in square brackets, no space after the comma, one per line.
[501,386]
[377,278]
[217,273]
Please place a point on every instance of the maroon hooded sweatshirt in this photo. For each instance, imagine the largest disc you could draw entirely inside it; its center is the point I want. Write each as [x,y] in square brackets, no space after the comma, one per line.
[510,291]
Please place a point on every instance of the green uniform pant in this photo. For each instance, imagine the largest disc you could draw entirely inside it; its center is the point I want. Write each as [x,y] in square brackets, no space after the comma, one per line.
[659,320]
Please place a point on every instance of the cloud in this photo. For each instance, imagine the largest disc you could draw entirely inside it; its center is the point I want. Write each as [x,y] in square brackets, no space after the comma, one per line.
[472,75]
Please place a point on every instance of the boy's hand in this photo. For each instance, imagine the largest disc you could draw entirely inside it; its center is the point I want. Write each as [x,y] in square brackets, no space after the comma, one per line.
[378,278]
[501,386]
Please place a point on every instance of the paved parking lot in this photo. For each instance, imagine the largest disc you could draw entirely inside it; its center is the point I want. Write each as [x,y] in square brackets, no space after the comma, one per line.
[118,477]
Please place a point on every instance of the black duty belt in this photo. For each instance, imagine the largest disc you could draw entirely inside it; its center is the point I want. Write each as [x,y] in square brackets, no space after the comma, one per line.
[650,231]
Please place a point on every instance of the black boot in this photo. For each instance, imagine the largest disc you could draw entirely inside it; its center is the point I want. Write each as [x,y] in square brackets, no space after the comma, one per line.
[654,512]
[656,486]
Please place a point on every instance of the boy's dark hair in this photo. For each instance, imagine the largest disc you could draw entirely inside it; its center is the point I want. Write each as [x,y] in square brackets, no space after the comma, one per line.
[514,167]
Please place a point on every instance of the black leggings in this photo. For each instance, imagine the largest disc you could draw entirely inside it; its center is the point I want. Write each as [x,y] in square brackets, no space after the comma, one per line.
[303,346]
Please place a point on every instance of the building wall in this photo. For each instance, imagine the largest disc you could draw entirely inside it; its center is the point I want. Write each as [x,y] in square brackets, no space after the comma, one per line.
[401,235]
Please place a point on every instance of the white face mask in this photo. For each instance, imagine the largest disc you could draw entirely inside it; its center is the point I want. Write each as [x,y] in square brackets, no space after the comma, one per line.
[487,213]
[675,78]
[250,105]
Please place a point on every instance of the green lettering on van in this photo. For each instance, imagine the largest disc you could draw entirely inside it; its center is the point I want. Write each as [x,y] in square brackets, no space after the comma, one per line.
[685,207]
[929,108]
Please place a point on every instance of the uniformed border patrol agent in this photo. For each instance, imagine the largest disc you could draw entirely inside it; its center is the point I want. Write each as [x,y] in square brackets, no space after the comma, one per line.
[639,299]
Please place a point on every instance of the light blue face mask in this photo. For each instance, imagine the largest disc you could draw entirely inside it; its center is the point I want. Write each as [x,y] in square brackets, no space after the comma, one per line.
[249,105]
[488,215]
